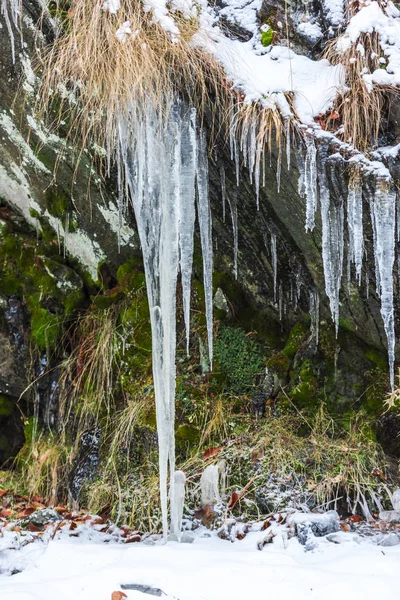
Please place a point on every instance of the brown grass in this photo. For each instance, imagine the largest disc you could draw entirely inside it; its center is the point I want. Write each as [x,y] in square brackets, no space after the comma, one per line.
[360,107]
[98,77]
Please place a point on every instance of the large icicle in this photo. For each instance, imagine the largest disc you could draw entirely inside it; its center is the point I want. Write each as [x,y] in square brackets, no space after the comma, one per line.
[160,154]
[332,215]
[355,225]
[274,261]
[188,166]
[310,183]
[204,214]
[383,214]
[12,7]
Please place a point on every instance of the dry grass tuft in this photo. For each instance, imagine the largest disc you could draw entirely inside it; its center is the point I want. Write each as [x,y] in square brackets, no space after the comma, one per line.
[98,76]
[360,106]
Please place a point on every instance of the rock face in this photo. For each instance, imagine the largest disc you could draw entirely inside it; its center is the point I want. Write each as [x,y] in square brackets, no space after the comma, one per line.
[76,215]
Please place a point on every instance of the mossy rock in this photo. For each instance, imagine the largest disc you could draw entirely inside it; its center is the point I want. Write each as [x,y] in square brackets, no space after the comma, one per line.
[6,406]
[378,359]
[45,329]
[187,433]
[297,336]
[280,364]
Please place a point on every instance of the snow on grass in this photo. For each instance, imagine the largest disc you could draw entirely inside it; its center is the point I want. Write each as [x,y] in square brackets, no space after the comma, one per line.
[386,22]
[209,569]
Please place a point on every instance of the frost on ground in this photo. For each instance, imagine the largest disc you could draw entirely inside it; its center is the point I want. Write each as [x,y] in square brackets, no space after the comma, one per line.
[92,566]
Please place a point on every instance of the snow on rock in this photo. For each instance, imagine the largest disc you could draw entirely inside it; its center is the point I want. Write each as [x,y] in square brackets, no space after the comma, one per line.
[334,11]
[311,31]
[315,83]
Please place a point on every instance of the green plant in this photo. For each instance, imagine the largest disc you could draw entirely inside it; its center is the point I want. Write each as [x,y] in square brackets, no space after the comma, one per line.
[239,357]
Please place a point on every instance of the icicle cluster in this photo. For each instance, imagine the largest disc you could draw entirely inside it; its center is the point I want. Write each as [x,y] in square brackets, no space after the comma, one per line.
[165,168]
[313,183]
[383,216]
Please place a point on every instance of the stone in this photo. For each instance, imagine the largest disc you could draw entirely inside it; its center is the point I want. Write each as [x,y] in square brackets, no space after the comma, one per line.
[42,517]
[187,537]
[390,540]
[144,589]
[317,524]
[220,302]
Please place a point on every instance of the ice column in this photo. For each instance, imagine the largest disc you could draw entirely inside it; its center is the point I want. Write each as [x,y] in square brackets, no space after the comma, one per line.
[332,240]
[11,8]
[355,226]
[179,500]
[383,215]
[163,159]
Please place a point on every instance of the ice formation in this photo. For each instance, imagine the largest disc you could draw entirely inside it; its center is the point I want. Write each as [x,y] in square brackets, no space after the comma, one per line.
[355,227]
[383,216]
[332,216]
[274,262]
[164,159]
[179,500]
[11,11]
[209,485]
[308,183]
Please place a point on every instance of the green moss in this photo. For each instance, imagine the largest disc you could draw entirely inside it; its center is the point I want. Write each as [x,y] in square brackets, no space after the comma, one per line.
[104,302]
[45,329]
[296,338]
[187,433]
[6,406]
[130,276]
[279,363]
[9,284]
[267,36]
[58,203]
[377,358]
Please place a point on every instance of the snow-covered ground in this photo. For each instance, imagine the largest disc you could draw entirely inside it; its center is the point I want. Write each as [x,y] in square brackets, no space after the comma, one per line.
[73,568]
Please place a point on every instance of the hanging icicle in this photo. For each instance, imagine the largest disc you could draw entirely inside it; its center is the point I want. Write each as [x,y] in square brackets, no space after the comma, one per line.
[383,215]
[164,158]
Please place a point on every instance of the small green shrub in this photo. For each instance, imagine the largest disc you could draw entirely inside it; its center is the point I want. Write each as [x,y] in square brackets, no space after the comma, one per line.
[239,357]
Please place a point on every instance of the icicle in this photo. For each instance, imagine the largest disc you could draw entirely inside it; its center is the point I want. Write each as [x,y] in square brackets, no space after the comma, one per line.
[280,301]
[314,314]
[209,486]
[179,500]
[310,183]
[235,229]
[383,213]
[288,148]
[223,191]
[204,214]
[355,226]
[187,158]
[15,10]
[274,262]
[332,241]
[160,155]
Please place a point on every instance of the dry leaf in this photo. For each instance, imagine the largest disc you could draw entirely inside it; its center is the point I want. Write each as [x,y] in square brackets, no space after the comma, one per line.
[211,452]
[118,595]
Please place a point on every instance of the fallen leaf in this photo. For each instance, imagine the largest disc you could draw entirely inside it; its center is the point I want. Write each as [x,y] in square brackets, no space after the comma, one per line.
[344,527]
[3,493]
[211,452]
[118,595]
[73,526]
[133,538]
[60,509]
[33,528]
[233,500]
[5,513]
[354,519]
[27,512]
